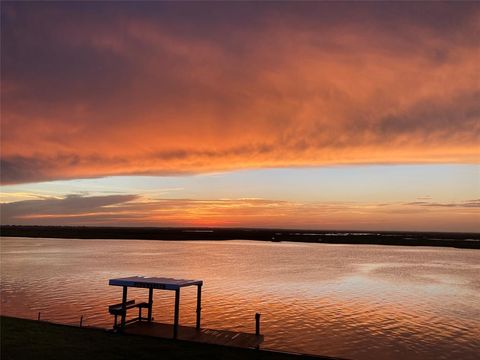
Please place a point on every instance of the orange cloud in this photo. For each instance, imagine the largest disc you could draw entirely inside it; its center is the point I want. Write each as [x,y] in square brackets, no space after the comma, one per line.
[176,89]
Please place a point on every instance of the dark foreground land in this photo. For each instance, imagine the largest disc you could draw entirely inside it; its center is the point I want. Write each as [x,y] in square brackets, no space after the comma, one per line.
[457,240]
[29,339]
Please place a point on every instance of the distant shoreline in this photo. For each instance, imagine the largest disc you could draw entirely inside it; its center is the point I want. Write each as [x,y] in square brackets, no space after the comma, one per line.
[439,239]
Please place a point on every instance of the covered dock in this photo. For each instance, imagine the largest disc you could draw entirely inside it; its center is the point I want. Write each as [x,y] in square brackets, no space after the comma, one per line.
[143,325]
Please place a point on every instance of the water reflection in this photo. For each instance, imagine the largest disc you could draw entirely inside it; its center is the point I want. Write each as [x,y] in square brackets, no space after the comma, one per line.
[360,302]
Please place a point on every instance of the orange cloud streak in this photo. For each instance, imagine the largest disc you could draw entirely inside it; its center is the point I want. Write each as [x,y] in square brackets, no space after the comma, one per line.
[136,211]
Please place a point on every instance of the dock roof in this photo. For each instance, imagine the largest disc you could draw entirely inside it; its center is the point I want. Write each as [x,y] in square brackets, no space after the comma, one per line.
[154,282]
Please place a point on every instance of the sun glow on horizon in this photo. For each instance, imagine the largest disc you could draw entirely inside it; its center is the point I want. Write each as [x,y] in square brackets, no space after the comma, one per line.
[429,198]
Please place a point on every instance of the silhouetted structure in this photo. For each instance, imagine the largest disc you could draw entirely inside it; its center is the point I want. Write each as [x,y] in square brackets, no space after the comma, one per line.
[151,284]
[145,326]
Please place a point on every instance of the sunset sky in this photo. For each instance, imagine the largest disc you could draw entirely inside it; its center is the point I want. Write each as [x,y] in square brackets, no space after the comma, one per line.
[277,114]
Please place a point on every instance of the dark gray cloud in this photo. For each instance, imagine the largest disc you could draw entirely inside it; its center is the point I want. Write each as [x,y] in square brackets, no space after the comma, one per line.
[475,203]
[73,206]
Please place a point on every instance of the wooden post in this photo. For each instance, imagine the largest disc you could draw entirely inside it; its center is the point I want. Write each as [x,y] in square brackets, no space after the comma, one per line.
[124,307]
[81,320]
[257,324]
[199,305]
[38,318]
[150,303]
[177,310]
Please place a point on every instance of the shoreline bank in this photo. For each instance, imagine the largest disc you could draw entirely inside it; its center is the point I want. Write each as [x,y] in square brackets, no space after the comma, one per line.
[31,339]
[438,239]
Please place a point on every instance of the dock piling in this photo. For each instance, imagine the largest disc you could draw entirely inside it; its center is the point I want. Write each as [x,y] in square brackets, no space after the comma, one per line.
[124,307]
[257,324]
[176,315]
[150,303]
[81,321]
[199,306]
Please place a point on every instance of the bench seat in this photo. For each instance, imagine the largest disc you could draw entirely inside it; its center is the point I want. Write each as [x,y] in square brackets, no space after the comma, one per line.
[117,309]
[121,309]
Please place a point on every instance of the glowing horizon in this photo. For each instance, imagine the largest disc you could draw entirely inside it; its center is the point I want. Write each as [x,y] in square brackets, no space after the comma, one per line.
[443,198]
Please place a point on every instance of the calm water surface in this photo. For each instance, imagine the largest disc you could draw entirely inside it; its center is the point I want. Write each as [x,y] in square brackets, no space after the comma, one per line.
[354,301]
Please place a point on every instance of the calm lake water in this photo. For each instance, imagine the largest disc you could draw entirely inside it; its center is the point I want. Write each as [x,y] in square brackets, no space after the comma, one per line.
[353,301]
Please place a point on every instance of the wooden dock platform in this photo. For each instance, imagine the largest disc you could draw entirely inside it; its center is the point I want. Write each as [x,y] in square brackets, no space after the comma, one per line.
[209,336]
[137,325]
